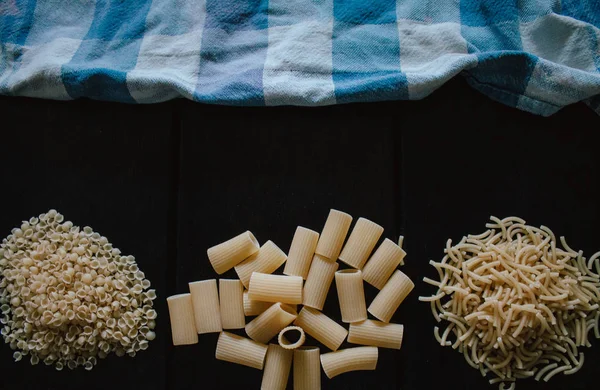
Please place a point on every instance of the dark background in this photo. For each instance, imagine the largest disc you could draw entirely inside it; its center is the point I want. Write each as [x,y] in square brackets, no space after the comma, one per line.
[165,182]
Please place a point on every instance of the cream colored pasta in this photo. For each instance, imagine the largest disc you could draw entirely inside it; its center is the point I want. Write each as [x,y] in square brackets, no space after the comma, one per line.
[275,288]
[285,343]
[205,299]
[301,252]
[515,302]
[382,264]
[240,350]
[351,295]
[264,327]
[318,282]
[230,253]
[254,308]
[183,325]
[350,359]
[266,260]
[391,296]
[277,368]
[376,334]
[231,296]
[322,328]
[333,234]
[307,370]
[361,242]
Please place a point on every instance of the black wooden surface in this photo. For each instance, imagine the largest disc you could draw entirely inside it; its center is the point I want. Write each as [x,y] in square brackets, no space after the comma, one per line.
[165,182]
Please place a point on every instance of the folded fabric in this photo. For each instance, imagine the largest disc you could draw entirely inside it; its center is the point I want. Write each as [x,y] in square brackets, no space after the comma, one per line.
[536,55]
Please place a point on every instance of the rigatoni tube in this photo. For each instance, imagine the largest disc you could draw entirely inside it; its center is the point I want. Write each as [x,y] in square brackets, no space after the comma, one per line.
[254,308]
[382,264]
[266,260]
[183,324]
[301,252]
[232,303]
[264,327]
[361,242]
[377,334]
[230,253]
[205,299]
[318,282]
[350,359]
[333,234]
[322,328]
[307,370]
[391,296]
[351,295]
[277,368]
[240,350]
[275,288]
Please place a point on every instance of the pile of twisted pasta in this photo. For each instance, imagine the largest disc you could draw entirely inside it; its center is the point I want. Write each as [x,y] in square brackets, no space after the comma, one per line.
[516,304]
[274,299]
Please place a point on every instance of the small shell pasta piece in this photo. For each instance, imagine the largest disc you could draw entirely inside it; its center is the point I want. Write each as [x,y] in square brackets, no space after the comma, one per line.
[254,308]
[301,252]
[351,295]
[240,350]
[275,288]
[183,324]
[264,327]
[285,343]
[318,282]
[350,359]
[391,296]
[266,260]
[333,234]
[322,328]
[382,264]
[231,297]
[230,253]
[376,334]
[277,368]
[361,242]
[307,371]
[205,299]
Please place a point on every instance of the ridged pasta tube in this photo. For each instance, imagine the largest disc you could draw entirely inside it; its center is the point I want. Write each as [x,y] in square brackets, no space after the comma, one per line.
[361,242]
[230,253]
[350,359]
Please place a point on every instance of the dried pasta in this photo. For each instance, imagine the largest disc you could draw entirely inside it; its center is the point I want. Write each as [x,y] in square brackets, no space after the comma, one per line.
[350,359]
[275,288]
[361,242]
[333,234]
[322,328]
[307,370]
[376,334]
[230,253]
[264,327]
[266,260]
[254,308]
[391,296]
[278,364]
[318,282]
[285,343]
[240,350]
[512,300]
[205,300]
[351,295]
[382,264]
[231,297]
[183,325]
[301,252]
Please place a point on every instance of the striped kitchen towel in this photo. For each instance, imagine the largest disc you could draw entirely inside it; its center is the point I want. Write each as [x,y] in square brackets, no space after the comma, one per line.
[536,55]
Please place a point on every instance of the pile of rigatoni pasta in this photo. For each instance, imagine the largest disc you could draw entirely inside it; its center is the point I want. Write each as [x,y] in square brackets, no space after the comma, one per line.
[310,267]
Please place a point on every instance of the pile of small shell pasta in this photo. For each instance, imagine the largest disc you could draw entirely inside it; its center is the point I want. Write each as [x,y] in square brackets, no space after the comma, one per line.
[310,267]
[515,303]
[68,298]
